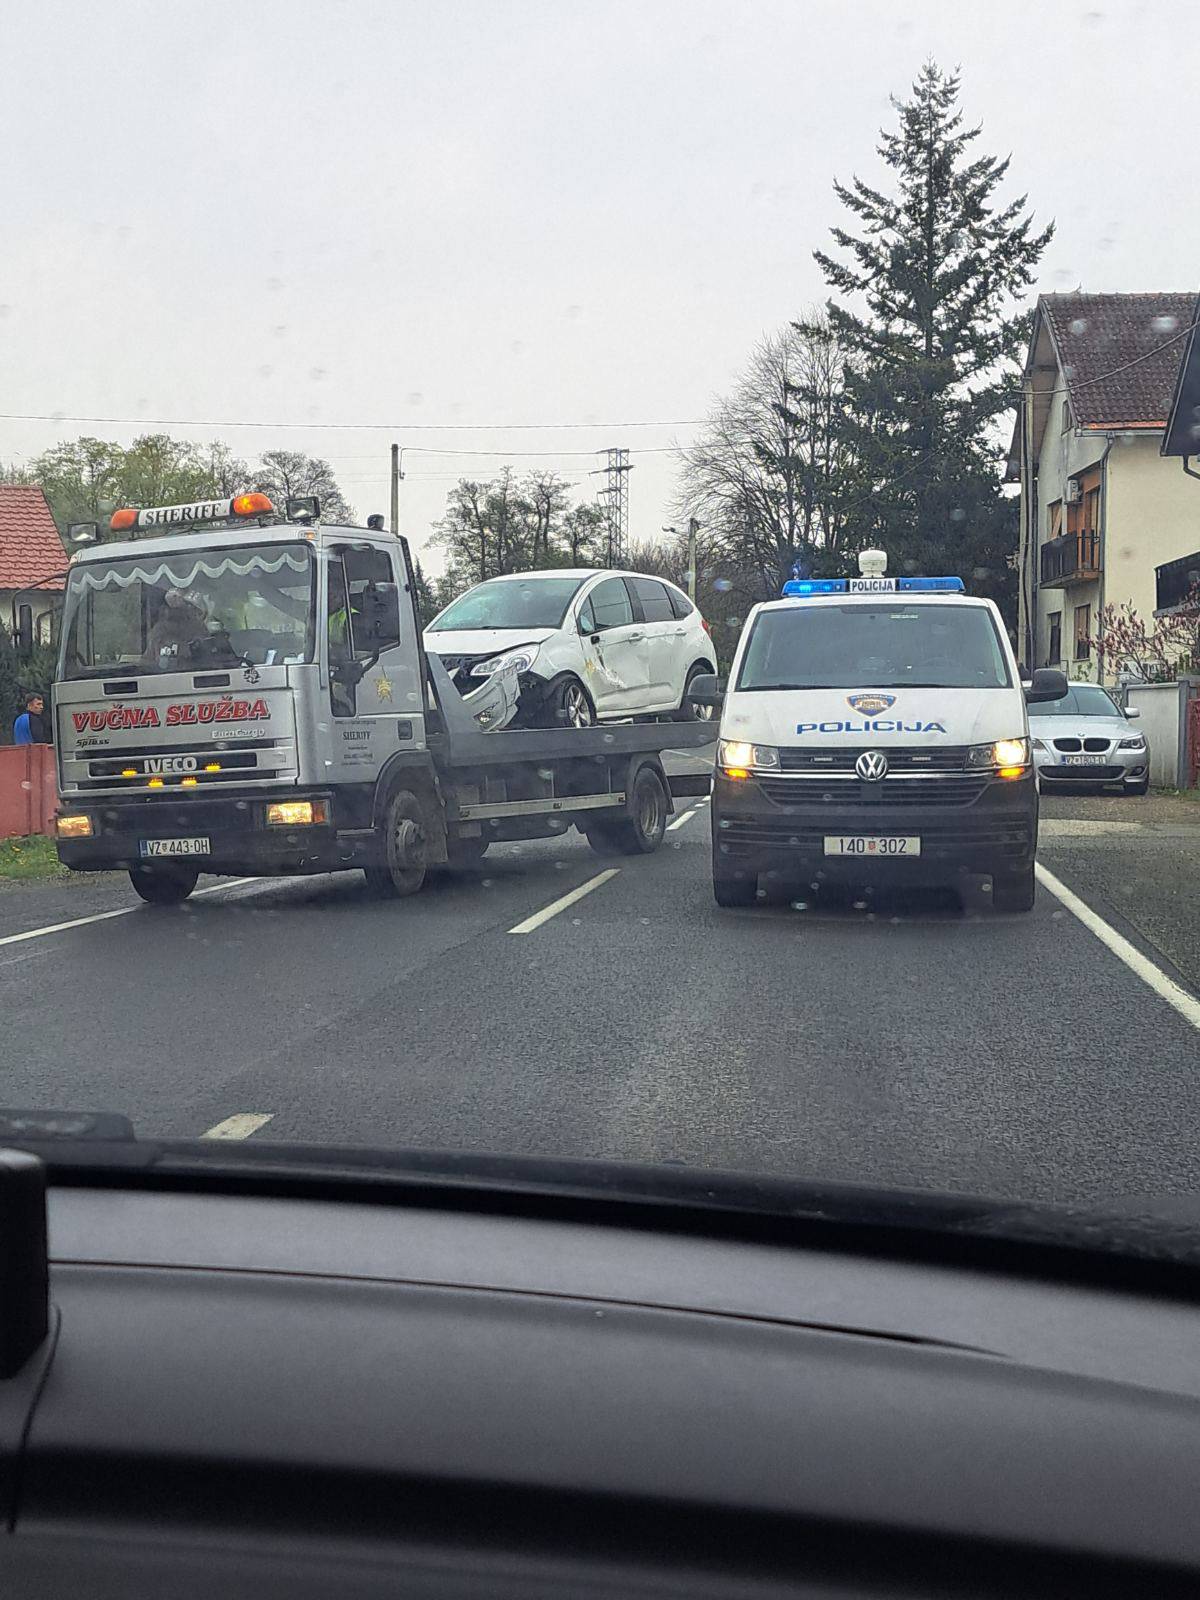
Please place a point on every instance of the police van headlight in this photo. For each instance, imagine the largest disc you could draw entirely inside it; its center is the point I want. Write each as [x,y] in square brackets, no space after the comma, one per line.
[736,755]
[1006,755]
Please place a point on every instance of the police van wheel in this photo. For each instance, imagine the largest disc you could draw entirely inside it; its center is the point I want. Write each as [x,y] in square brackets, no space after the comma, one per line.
[1013,891]
[404,843]
[163,886]
[730,891]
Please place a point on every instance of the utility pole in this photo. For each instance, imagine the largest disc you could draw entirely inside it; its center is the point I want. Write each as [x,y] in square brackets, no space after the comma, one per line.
[397,474]
[693,530]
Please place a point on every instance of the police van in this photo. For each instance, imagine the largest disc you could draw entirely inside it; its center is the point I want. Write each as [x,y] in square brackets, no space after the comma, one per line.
[874,731]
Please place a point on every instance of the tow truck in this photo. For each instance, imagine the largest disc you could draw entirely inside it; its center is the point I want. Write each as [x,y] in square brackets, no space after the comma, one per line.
[245,692]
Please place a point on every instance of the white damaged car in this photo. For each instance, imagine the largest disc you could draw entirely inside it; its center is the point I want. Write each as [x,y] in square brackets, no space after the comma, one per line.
[585,646]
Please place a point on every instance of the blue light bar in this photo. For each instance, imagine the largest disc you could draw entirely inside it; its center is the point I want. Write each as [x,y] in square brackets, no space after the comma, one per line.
[932,585]
[802,586]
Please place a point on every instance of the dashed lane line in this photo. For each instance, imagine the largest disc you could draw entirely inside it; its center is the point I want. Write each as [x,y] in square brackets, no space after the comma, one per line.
[532,923]
[240,1126]
[107,916]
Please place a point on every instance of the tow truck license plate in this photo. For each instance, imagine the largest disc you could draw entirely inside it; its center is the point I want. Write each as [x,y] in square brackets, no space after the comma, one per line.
[175,847]
[869,844]
[1083,761]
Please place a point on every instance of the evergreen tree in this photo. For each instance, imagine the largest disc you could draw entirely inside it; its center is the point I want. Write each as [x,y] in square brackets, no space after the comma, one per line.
[931,317]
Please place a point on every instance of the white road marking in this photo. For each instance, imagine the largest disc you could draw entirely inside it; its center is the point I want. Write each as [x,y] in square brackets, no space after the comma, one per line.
[1153,977]
[106,916]
[681,819]
[240,1126]
[555,906]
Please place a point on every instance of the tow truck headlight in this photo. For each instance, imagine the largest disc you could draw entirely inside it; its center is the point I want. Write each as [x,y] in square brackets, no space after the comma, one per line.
[1007,757]
[519,660]
[296,813]
[736,757]
[73,827]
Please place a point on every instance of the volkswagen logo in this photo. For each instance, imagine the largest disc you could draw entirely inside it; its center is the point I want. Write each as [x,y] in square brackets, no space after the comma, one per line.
[872,765]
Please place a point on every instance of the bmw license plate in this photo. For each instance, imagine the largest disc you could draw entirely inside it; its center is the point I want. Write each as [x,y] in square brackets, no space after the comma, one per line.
[175,847]
[871,844]
[1083,761]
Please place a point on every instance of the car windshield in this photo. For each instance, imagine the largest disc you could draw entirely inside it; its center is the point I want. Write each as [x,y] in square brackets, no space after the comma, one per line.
[894,646]
[411,416]
[172,612]
[1081,700]
[525,603]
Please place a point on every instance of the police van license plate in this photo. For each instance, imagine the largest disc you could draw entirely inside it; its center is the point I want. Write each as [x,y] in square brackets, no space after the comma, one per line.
[871,844]
[175,847]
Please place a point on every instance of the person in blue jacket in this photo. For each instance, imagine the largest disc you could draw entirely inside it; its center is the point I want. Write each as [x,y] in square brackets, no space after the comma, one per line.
[30,726]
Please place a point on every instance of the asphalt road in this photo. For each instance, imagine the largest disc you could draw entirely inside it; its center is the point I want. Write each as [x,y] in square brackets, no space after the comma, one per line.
[912,1040]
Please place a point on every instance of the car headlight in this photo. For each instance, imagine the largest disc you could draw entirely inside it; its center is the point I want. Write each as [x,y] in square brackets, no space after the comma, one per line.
[1137,742]
[736,753]
[1005,755]
[519,660]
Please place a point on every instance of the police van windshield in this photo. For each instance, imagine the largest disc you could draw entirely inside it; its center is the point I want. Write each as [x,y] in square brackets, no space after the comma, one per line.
[855,646]
[195,609]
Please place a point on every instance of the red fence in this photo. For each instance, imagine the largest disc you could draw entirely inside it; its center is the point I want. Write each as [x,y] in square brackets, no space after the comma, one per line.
[27,790]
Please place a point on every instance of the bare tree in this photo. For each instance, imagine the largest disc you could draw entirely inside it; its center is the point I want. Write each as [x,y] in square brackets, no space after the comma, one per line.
[768,476]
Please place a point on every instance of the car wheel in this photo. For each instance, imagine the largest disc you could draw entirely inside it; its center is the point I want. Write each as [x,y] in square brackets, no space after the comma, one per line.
[1013,891]
[403,871]
[641,832]
[687,712]
[163,886]
[1142,786]
[567,704]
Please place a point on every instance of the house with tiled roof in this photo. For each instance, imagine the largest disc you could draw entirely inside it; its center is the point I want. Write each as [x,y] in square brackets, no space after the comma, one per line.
[32,563]
[1101,508]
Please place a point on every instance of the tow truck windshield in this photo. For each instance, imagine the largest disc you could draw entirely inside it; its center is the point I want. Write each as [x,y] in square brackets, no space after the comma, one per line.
[156,614]
[854,646]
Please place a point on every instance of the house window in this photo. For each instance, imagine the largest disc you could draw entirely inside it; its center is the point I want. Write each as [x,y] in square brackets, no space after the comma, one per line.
[1055,510]
[1066,416]
[1054,653]
[1083,633]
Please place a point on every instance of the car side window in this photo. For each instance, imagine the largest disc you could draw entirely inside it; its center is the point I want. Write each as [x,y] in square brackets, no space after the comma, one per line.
[655,602]
[587,618]
[680,604]
[610,605]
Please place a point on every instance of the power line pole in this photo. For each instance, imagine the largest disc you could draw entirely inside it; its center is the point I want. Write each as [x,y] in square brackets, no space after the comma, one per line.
[396,476]
[693,530]
[616,495]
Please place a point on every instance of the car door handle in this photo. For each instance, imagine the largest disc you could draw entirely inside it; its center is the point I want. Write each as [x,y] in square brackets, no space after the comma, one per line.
[634,637]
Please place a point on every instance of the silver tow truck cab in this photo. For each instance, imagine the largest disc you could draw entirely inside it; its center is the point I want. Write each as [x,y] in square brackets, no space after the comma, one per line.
[252,696]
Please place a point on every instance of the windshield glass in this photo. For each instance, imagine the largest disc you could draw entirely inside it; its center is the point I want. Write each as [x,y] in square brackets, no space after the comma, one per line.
[830,646]
[170,613]
[1081,700]
[526,603]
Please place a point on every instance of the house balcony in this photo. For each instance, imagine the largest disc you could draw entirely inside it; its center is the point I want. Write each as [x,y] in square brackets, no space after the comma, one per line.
[1073,558]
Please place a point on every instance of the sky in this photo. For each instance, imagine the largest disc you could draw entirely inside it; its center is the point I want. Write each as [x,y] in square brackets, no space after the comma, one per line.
[437,222]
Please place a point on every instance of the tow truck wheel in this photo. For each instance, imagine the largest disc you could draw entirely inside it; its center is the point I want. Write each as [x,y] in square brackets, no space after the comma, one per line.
[404,841]
[465,852]
[1013,891]
[163,886]
[641,832]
